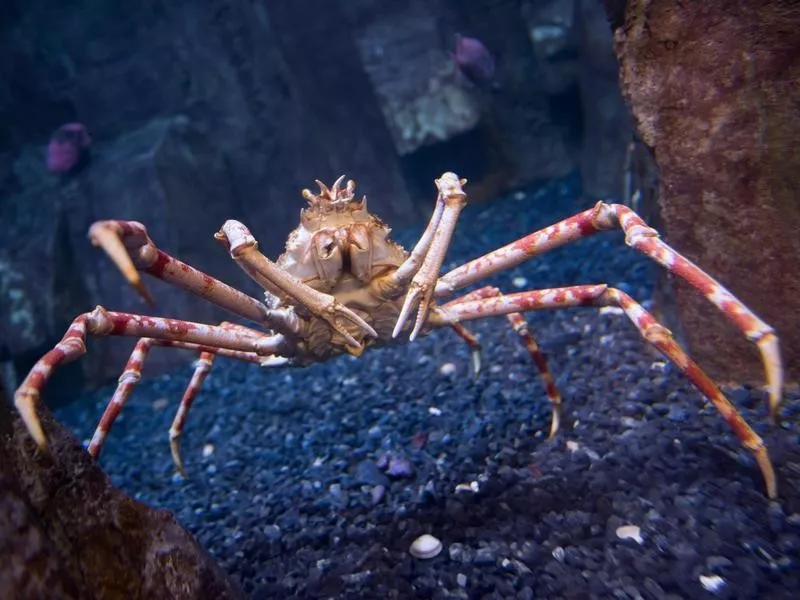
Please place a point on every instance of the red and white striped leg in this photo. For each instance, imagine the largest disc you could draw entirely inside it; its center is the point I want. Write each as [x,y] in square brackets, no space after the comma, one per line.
[101,322]
[653,332]
[129,246]
[202,366]
[645,239]
[474,346]
[127,381]
[520,326]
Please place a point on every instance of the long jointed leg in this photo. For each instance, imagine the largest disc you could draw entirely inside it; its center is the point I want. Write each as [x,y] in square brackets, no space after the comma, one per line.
[243,248]
[101,322]
[129,246]
[433,245]
[133,372]
[201,368]
[651,330]
[520,326]
[645,239]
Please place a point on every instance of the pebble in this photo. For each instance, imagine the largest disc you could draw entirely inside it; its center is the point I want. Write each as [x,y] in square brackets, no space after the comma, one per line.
[485,556]
[630,532]
[377,493]
[208,450]
[425,546]
[447,369]
[519,282]
[461,580]
[399,467]
[712,583]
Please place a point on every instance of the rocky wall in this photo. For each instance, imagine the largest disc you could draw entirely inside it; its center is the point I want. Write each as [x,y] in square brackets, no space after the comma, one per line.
[714,90]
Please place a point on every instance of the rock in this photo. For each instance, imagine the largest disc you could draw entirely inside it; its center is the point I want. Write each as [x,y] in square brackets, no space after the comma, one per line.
[713,91]
[67,532]
[426,105]
[156,174]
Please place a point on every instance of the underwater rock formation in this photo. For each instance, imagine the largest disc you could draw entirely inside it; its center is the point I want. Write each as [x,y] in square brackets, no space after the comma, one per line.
[158,174]
[713,87]
[67,532]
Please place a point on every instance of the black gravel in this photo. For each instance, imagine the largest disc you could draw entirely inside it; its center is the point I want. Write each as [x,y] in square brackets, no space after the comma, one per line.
[313,483]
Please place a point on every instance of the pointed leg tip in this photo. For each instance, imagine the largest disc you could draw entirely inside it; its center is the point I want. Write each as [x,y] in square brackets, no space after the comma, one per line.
[143,292]
[476,363]
[555,424]
[27,411]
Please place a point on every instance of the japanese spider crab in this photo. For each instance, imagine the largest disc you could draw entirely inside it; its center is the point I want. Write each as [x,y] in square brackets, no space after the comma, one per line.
[343,286]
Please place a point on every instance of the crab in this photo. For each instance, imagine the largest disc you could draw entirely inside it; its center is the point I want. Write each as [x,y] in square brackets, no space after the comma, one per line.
[343,286]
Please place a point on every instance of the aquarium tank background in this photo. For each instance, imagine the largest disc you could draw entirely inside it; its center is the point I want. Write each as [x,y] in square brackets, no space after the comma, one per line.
[341,460]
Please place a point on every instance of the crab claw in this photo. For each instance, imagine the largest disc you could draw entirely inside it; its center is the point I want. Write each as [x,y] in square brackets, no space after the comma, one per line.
[104,235]
[419,295]
[423,285]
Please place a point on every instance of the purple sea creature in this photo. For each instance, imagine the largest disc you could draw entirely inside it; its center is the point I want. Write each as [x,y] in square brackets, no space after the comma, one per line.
[475,63]
[68,148]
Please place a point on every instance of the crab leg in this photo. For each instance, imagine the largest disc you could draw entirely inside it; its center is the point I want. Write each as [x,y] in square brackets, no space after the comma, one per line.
[474,346]
[133,372]
[201,368]
[101,322]
[520,326]
[645,239]
[421,289]
[653,332]
[395,283]
[129,246]
[243,248]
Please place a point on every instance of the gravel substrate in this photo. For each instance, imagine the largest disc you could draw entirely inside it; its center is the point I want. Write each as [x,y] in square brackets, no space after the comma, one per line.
[313,483]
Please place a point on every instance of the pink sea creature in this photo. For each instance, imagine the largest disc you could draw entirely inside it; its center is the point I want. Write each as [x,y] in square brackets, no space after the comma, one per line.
[474,62]
[68,148]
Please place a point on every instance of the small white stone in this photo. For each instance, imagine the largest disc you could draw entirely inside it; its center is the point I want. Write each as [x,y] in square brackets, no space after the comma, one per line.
[461,580]
[434,411]
[447,369]
[630,532]
[208,450]
[712,583]
[572,446]
[519,282]
[610,310]
[425,546]
[464,488]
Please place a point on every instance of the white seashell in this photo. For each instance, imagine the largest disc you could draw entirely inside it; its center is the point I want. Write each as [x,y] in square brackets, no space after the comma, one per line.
[425,546]
[712,583]
[630,532]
